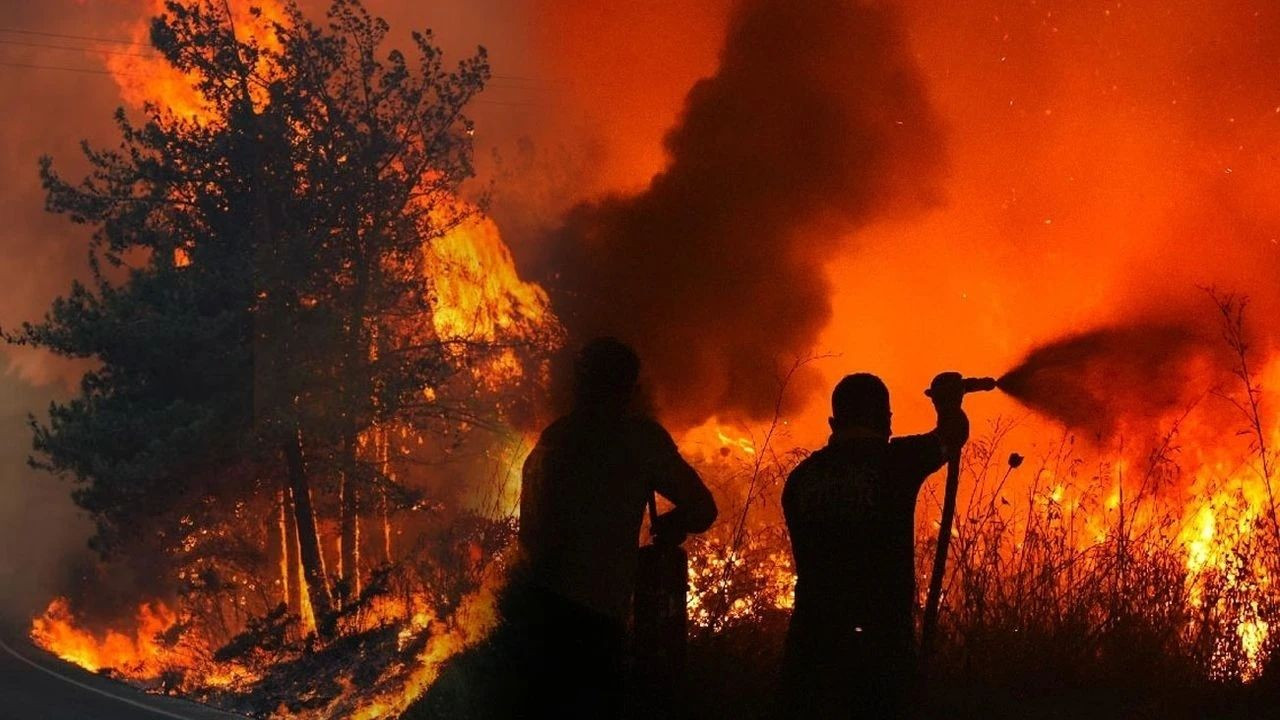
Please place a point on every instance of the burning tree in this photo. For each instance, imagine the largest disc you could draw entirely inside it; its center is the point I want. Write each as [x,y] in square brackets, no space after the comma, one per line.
[277,316]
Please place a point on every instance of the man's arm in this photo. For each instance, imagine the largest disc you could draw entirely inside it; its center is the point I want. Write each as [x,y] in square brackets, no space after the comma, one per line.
[530,498]
[947,393]
[952,431]
[923,455]
[917,456]
[677,481]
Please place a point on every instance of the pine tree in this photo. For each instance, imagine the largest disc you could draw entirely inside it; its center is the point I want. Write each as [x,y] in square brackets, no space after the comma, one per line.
[260,295]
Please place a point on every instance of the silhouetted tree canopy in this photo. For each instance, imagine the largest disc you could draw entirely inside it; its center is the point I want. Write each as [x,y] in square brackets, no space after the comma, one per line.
[257,271]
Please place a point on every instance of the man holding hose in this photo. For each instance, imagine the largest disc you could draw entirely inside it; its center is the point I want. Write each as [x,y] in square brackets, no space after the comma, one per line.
[850,510]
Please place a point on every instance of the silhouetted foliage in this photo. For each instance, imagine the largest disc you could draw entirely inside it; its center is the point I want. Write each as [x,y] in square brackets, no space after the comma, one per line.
[258,280]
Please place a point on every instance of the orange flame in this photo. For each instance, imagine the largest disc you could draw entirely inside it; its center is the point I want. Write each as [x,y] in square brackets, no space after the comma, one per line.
[139,654]
[478,293]
[144,78]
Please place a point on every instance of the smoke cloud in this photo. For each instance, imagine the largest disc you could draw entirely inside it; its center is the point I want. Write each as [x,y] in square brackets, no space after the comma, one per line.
[814,124]
[44,533]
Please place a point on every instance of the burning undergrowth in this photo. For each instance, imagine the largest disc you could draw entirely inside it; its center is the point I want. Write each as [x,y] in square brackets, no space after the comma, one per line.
[1070,570]
[1100,579]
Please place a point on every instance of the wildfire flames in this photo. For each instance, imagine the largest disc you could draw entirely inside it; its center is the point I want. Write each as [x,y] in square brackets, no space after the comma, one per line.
[148,78]
[1186,490]
[138,655]
[477,296]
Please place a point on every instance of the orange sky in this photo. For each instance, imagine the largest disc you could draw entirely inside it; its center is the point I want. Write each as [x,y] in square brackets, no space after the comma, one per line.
[1103,159]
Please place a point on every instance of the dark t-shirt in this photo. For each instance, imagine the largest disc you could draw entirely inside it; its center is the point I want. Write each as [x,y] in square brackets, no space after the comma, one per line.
[583,496]
[850,509]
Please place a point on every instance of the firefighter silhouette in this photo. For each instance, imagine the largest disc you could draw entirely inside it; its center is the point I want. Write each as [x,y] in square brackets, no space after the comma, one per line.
[850,511]
[585,490]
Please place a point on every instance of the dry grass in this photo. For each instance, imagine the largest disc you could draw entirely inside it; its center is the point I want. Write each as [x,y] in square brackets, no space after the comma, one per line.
[1082,583]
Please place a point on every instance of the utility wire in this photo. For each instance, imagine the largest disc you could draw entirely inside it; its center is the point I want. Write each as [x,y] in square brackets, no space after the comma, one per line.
[78,49]
[119,41]
[95,71]
[154,56]
[138,43]
[33,66]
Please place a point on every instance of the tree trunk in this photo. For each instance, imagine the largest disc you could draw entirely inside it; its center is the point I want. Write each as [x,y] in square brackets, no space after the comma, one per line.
[384,510]
[308,537]
[349,539]
[277,553]
[292,561]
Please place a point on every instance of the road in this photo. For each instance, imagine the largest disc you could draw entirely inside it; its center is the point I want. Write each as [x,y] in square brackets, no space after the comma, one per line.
[37,686]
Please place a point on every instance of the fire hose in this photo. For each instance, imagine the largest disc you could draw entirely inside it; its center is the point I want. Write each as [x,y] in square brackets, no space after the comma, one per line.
[929,629]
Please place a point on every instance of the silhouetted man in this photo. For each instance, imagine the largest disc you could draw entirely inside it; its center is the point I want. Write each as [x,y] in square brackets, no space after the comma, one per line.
[850,509]
[585,489]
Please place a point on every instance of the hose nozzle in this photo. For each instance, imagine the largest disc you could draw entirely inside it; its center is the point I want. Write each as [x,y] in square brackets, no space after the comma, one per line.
[947,384]
[979,384]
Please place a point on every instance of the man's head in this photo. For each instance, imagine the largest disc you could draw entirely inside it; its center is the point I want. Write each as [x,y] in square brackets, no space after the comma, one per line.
[605,373]
[861,401]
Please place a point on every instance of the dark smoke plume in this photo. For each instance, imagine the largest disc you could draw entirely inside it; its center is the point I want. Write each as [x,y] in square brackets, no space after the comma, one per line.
[1104,380]
[815,124]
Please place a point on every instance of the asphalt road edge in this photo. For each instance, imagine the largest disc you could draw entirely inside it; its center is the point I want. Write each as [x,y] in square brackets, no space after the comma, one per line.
[84,686]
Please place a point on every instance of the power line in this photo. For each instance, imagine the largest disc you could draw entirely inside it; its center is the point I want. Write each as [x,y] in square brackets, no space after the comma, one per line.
[94,71]
[482,101]
[41,33]
[120,41]
[33,66]
[78,49]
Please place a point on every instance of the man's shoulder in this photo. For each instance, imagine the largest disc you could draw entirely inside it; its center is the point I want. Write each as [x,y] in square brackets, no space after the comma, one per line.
[647,430]
[559,427]
[811,461]
[637,431]
[815,464]
[914,443]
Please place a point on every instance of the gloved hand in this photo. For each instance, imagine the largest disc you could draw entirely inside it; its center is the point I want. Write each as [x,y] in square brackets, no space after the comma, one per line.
[947,393]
